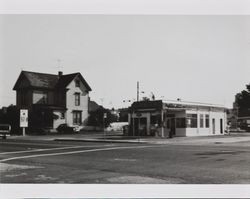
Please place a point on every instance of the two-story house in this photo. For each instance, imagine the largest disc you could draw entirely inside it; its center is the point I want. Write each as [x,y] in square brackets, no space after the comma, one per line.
[53,99]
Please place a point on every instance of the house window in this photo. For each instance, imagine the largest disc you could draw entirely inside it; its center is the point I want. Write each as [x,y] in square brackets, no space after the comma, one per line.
[191,121]
[77,117]
[77,83]
[77,99]
[201,121]
[40,97]
[207,121]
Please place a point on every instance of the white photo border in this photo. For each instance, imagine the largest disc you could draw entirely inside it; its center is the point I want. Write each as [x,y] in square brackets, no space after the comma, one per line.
[125,7]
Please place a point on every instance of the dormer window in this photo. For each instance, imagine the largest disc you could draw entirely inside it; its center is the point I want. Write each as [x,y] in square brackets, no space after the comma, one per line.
[77,83]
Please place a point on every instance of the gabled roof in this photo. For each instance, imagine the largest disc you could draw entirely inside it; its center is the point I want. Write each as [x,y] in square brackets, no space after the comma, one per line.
[48,81]
[41,80]
[64,80]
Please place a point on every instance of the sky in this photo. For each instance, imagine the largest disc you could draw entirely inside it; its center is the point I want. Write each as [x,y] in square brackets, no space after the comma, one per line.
[201,58]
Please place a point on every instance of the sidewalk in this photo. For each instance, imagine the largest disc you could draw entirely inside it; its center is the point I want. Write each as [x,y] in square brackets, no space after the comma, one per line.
[101,137]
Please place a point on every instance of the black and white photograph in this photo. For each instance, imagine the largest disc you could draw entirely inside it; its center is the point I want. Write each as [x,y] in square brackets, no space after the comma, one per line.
[105,98]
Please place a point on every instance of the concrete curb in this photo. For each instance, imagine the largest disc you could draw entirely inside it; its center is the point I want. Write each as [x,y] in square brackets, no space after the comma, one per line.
[111,139]
[186,142]
[102,140]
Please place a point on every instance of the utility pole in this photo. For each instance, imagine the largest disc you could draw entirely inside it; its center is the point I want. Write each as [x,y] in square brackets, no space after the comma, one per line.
[162,121]
[137,91]
[103,118]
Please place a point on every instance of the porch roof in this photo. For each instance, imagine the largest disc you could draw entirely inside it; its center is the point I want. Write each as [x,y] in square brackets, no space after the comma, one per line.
[48,107]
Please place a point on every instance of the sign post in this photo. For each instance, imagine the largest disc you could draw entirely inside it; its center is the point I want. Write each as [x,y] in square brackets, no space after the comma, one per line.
[138,116]
[162,127]
[23,119]
[104,117]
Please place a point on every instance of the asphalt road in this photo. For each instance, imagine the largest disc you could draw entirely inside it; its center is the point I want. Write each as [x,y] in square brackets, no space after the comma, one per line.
[27,161]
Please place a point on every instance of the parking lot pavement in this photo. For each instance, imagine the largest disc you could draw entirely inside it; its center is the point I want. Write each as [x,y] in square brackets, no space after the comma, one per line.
[41,161]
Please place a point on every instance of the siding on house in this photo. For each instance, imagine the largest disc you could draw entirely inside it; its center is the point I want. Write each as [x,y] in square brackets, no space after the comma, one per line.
[70,101]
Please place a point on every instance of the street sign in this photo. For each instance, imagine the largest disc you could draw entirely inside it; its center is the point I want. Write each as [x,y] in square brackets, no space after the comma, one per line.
[23,118]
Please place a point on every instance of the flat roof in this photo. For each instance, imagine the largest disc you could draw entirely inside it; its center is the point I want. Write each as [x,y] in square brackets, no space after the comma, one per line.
[174,105]
[188,103]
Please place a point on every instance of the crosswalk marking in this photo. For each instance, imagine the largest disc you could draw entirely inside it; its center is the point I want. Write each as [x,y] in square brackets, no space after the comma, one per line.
[73,152]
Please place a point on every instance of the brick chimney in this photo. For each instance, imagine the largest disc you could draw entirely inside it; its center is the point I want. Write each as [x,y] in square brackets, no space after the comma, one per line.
[60,73]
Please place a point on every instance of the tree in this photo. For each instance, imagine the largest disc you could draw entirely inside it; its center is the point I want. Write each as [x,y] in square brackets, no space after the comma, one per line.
[123,115]
[96,118]
[242,102]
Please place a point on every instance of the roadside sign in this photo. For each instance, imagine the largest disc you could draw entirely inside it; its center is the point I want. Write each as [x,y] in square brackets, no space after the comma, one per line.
[23,118]
[138,114]
[105,115]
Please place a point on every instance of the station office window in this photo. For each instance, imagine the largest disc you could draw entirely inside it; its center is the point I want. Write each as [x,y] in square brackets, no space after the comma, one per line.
[207,121]
[180,123]
[191,121]
[201,121]
[155,119]
[77,99]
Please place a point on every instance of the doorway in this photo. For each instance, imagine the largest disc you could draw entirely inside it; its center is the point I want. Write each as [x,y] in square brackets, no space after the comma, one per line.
[139,126]
[171,125]
[213,125]
[221,126]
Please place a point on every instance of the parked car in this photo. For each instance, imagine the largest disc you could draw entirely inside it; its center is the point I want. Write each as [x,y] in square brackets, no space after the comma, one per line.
[64,128]
[116,126]
[77,128]
[5,130]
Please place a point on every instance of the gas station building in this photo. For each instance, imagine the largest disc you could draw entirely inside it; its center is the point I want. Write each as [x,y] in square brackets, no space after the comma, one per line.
[176,119]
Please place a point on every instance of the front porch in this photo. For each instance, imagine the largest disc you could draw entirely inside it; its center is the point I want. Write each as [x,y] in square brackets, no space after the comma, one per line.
[46,117]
